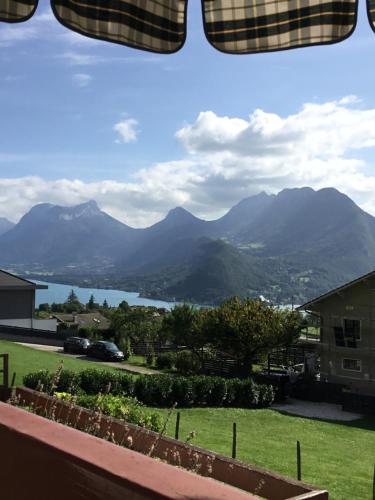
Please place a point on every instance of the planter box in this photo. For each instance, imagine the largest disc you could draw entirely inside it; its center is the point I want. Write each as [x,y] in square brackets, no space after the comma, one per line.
[44,460]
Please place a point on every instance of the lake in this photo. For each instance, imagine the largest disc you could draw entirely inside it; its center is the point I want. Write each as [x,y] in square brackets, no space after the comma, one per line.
[59,293]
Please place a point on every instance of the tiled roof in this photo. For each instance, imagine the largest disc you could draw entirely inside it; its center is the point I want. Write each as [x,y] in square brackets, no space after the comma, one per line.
[10,281]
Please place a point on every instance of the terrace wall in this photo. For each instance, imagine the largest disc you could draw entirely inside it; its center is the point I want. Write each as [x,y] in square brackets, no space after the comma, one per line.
[42,459]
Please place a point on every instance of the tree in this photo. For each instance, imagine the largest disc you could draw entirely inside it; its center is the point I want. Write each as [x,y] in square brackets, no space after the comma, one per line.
[105,304]
[247,329]
[57,307]
[72,298]
[183,326]
[72,304]
[91,303]
[135,324]
[124,306]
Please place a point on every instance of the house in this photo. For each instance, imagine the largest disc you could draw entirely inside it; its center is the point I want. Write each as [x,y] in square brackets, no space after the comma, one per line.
[347,334]
[17,303]
[85,320]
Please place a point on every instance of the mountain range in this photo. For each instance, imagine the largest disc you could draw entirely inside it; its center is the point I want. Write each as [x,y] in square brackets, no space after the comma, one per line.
[290,246]
[5,225]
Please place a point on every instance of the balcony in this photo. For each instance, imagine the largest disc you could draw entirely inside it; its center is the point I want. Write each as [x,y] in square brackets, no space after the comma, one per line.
[44,459]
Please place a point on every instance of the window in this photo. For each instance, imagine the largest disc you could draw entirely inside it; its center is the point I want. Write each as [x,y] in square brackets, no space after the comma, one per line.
[339,336]
[347,332]
[352,328]
[353,365]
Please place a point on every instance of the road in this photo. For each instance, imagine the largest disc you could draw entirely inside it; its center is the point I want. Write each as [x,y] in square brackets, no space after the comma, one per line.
[122,366]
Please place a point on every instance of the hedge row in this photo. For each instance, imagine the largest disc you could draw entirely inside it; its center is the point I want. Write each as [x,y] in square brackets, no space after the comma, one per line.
[159,390]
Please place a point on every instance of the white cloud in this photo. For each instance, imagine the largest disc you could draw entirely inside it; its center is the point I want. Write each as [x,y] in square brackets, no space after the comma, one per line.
[81,79]
[80,59]
[78,40]
[77,58]
[39,25]
[127,130]
[227,159]
[317,130]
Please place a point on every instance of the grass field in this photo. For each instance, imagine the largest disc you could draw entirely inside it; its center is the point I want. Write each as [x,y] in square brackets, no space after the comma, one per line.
[23,360]
[337,456]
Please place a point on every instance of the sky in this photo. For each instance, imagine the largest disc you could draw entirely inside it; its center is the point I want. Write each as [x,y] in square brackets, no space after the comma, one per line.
[142,133]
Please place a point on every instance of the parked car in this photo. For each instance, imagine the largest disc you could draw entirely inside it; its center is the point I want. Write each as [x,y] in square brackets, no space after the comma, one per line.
[76,345]
[107,351]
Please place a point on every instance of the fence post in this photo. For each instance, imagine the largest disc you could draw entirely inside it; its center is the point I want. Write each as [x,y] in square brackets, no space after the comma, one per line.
[373,486]
[13,379]
[6,370]
[299,472]
[234,441]
[177,430]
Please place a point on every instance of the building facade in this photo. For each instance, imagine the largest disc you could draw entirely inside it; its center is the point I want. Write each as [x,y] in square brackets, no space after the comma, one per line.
[17,303]
[347,334]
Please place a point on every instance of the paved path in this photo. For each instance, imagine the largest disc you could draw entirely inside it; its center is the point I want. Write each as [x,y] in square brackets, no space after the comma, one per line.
[324,411]
[122,366]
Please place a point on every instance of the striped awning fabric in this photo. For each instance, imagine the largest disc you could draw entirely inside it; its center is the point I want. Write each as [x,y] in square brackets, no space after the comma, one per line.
[154,25]
[248,26]
[16,11]
[371,12]
[231,26]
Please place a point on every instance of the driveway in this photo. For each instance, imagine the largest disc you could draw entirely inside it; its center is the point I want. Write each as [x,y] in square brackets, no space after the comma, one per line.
[310,409]
[122,366]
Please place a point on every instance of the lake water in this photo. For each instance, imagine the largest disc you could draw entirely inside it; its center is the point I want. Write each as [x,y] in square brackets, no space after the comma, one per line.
[59,293]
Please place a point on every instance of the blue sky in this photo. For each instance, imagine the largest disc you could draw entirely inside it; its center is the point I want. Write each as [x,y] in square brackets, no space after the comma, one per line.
[142,133]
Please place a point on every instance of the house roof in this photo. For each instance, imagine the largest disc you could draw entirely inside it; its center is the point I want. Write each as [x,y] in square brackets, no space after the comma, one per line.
[10,281]
[341,288]
[94,319]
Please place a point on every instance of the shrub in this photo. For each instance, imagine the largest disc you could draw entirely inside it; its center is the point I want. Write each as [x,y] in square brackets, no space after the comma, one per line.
[165,360]
[126,384]
[245,393]
[69,381]
[209,390]
[217,391]
[154,390]
[187,363]
[37,379]
[267,395]
[182,393]
[249,396]
[124,408]
[124,346]
[95,381]
[200,389]
[150,356]
[160,390]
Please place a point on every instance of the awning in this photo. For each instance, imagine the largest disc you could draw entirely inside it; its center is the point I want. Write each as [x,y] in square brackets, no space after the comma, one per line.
[231,26]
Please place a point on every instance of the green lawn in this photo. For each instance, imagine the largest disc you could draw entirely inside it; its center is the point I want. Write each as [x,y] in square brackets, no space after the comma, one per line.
[23,360]
[339,457]
[336,456]
[136,360]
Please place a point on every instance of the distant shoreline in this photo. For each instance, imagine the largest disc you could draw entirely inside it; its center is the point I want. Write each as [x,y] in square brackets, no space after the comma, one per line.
[58,292]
